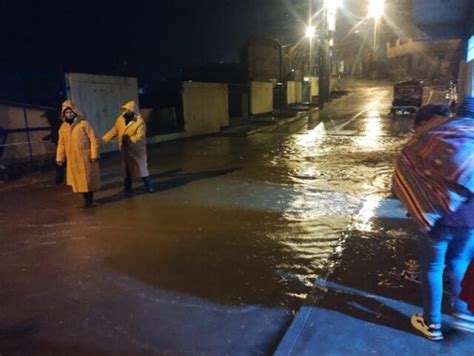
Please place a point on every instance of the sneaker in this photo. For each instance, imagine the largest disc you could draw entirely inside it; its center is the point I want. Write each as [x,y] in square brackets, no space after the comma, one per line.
[464,322]
[431,332]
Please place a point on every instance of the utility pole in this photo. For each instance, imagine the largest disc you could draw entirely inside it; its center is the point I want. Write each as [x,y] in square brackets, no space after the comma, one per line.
[323,59]
[310,24]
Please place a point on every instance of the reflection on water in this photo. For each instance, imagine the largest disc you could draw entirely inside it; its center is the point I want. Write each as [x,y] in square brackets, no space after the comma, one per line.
[334,178]
[366,213]
[309,139]
[370,137]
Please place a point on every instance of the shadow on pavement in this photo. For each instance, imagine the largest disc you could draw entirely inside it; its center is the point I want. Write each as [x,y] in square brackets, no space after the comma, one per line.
[382,262]
[376,279]
[366,308]
[175,179]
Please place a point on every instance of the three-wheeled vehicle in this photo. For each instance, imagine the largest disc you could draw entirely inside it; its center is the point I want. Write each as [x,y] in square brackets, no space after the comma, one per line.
[407,97]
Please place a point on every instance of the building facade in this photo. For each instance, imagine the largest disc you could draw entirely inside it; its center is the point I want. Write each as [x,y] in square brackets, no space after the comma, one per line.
[450,19]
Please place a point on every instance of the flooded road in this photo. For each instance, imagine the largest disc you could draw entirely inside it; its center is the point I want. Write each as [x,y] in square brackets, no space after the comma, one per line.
[235,221]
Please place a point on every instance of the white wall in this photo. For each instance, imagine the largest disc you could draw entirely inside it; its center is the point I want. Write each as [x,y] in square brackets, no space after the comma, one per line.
[261,98]
[19,117]
[100,98]
[314,86]
[205,107]
[294,92]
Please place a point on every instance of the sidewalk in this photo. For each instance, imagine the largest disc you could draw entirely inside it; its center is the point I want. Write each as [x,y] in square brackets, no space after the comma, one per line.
[266,123]
[273,122]
[362,306]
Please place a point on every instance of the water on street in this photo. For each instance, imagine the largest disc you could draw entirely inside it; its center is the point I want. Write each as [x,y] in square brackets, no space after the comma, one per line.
[236,222]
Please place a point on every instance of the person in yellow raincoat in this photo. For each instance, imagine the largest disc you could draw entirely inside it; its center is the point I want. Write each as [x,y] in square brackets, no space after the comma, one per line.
[79,148]
[131,131]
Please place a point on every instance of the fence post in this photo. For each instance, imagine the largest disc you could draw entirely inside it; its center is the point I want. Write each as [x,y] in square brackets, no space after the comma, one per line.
[28,134]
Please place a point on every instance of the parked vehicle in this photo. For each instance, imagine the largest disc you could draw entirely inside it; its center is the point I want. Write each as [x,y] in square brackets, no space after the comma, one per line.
[407,97]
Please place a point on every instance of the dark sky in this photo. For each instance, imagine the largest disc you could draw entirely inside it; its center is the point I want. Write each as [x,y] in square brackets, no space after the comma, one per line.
[155,38]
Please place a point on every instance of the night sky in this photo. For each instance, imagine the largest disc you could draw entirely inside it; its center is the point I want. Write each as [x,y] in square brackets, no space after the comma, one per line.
[153,40]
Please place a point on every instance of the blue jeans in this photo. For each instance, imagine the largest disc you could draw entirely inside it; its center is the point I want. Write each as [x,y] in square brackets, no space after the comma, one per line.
[445,245]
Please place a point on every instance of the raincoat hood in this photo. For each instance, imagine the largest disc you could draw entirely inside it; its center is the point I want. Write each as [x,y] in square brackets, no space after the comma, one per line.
[132,106]
[69,104]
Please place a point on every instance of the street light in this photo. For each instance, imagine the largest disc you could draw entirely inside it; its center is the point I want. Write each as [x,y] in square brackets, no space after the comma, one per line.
[376,8]
[332,4]
[310,32]
[376,11]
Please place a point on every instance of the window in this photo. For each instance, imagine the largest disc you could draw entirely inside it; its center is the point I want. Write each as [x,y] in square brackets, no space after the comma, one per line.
[470,49]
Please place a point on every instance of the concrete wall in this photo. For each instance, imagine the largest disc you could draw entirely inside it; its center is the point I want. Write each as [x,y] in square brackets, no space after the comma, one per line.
[261,98]
[424,59]
[411,47]
[205,107]
[294,92]
[314,86]
[100,98]
[262,57]
[26,131]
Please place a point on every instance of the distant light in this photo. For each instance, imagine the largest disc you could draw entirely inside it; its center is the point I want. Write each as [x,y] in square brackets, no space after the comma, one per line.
[376,8]
[334,4]
[310,32]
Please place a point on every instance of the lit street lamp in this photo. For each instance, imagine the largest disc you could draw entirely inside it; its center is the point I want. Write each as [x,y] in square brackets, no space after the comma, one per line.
[376,9]
[310,32]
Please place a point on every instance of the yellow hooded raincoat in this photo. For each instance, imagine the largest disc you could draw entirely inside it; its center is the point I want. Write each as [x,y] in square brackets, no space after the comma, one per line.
[78,146]
[133,150]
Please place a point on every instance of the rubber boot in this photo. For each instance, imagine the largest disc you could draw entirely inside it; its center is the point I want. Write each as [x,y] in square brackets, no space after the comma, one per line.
[148,184]
[89,199]
[127,185]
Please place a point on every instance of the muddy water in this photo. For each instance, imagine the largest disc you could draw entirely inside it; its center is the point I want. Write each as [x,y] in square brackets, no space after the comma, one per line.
[241,220]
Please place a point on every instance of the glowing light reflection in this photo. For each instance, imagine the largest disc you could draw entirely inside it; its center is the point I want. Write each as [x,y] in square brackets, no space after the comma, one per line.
[364,218]
[373,128]
[308,140]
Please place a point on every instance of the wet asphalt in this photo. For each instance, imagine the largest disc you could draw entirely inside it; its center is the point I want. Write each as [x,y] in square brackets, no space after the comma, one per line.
[222,256]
